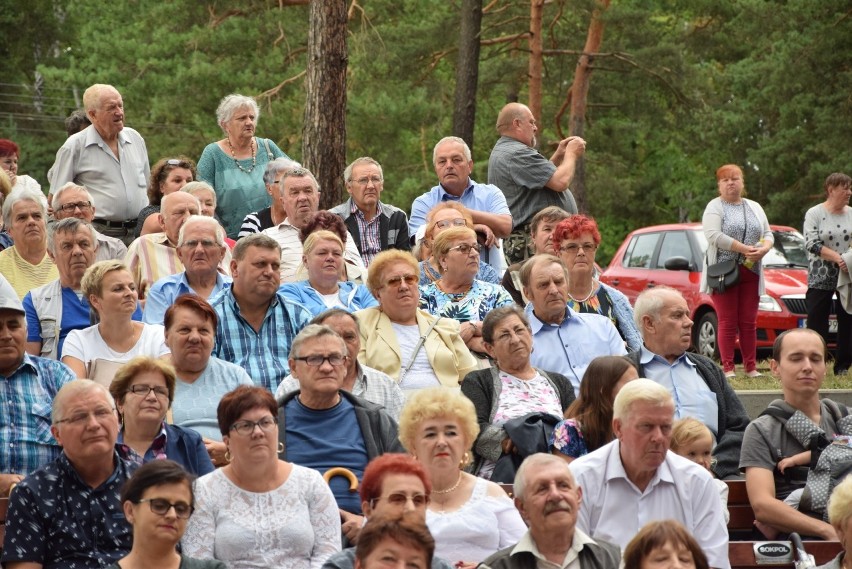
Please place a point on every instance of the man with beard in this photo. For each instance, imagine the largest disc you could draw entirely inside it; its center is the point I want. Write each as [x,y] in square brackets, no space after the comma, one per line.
[548,498]
[636,479]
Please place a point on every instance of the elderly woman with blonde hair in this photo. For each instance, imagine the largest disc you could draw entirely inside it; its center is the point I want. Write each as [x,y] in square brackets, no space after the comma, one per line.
[234,165]
[415,348]
[458,294]
[444,216]
[470,517]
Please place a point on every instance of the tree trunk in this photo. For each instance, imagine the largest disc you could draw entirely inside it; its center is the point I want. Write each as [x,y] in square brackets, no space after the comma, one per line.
[324,131]
[579,96]
[535,65]
[467,71]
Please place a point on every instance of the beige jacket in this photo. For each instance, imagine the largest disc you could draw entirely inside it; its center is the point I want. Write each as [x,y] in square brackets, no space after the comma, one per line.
[447,352]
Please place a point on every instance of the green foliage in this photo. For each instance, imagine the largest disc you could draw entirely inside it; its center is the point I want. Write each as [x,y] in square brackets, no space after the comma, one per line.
[681,87]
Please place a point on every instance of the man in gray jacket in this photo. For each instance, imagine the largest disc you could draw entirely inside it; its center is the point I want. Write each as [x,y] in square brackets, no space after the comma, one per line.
[548,498]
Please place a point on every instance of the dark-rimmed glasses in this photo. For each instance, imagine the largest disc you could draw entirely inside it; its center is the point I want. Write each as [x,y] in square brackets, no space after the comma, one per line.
[574,248]
[70,207]
[319,359]
[144,390]
[161,507]
[246,428]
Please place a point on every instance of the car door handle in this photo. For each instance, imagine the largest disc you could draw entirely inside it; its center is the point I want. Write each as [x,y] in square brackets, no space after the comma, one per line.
[651,285]
[615,282]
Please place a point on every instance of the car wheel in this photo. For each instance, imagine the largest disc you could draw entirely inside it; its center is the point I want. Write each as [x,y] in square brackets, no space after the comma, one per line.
[706,342]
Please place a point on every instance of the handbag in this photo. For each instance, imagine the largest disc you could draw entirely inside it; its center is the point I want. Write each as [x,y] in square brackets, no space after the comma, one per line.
[722,276]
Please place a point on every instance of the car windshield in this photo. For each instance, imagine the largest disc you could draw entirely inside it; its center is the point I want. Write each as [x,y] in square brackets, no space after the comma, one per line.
[788,251]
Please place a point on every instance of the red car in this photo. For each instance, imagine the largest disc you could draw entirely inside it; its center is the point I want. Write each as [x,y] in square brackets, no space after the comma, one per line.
[673,255]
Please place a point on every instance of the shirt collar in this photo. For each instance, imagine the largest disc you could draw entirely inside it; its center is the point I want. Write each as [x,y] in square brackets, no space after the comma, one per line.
[28,362]
[646,356]
[447,196]
[615,468]
[94,137]
[527,545]
[537,324]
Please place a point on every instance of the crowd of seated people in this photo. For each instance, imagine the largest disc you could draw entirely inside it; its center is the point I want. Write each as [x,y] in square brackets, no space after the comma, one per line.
[155,329]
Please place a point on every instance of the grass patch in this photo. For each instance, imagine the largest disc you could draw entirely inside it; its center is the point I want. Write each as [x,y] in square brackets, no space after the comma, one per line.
[768,381]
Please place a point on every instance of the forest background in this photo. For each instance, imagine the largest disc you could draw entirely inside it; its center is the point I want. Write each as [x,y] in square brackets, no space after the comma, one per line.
[676,88]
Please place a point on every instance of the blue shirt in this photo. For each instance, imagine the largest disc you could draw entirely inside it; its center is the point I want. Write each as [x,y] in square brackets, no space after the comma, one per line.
[164,292]
[692,396]
[75,316]
[59,521]
[569,347]
[350,296]
[323,439]
[262,354]
[480,197]
[194,406]
[26,443]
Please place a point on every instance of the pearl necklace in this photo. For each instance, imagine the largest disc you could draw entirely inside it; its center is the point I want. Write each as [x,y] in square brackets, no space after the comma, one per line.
[453,488]
[237,162]
[590,295]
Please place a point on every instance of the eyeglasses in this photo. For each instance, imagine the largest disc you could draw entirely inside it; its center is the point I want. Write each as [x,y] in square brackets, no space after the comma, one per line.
[176,162]
[205,243]
[101,415]
[246,428]
[574,248]
[364,181]
[399,500]
[465,248]
[318,360]
[161,507]
[70,207]
[410,280]
[445,223]
[144,390]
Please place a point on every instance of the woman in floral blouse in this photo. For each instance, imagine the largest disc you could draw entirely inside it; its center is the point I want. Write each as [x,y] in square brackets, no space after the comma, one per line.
[458,294]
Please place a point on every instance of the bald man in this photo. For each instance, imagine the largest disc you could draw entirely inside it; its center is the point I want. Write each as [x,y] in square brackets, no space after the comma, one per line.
[530,181]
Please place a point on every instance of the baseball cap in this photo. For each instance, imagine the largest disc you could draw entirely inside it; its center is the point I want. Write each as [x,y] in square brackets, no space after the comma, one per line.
[11,303]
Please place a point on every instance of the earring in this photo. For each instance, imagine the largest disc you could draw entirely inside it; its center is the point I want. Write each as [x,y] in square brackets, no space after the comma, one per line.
[280,447]
[228,455]
[465,460]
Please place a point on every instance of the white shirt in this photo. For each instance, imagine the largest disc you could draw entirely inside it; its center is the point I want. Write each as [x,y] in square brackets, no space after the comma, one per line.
[287,236]
[87,345]
[614,509]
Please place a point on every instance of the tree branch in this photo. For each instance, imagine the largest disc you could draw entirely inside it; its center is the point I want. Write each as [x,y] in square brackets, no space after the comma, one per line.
[269,93]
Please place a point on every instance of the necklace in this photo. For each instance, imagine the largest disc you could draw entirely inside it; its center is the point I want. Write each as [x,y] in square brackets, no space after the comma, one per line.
[591,293]
[453,295]
[237,162]
[451,489]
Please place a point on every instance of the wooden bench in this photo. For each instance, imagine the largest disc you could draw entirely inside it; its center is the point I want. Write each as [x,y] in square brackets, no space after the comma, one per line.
[741,522]
[741,553]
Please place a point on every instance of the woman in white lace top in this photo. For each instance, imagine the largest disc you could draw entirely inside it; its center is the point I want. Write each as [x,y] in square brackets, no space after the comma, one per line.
[259,511]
